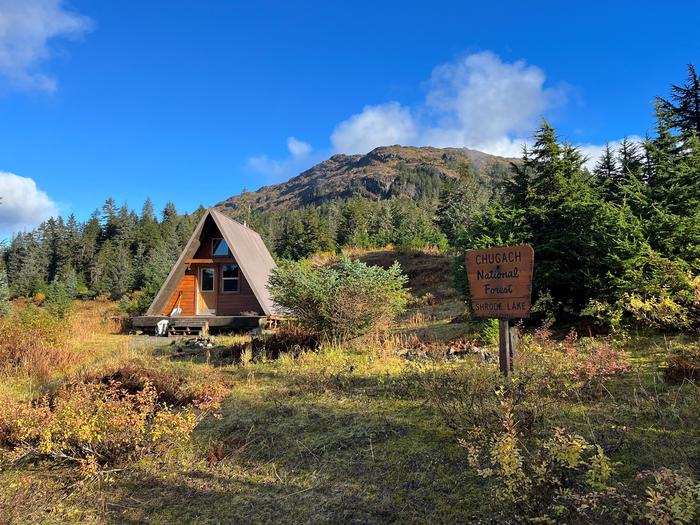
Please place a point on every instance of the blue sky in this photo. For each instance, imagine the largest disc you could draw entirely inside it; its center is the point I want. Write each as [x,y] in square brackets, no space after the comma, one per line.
[193,101]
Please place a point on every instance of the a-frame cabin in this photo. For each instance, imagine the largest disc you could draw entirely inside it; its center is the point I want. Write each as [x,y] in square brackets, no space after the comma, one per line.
[219,281]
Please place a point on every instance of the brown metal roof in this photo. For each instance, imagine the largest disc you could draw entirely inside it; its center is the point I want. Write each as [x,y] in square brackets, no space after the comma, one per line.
[248,249]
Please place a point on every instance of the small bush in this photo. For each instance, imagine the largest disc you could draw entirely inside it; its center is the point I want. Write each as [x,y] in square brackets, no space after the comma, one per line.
[570,366]
[531,474]
[488,331]
[286,340]
[343,301]
[135,303]
[464,395]
[39,298]
[672,499]
[427,299]
[558,477]
[94,424]
[595,361]
[171,386]
[661,293]
[59,299]
[683,363]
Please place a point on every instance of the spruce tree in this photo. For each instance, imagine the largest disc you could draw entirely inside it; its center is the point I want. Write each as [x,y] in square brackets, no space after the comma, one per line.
[630,159]
[682,109]
[606,172]
[5,305]
[290,243]
[460,201]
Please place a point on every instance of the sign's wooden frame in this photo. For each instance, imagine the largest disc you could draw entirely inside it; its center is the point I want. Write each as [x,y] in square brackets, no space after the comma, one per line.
[500,286]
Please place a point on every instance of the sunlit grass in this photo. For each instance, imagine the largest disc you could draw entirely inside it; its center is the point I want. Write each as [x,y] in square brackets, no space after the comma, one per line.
[339,435]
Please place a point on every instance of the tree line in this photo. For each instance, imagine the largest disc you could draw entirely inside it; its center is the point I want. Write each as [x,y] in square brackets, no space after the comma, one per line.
[619,241]
[115,252]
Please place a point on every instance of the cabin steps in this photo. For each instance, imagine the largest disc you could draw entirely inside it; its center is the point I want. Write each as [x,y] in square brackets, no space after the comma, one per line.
[198,327]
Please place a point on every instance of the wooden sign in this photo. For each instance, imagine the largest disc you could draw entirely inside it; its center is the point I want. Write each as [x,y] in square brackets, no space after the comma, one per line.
[500,281]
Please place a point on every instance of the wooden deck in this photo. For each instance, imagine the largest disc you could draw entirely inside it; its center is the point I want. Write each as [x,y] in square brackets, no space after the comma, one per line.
[215,322]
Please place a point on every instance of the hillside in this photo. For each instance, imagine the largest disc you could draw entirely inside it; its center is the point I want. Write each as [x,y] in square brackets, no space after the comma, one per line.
[380,174]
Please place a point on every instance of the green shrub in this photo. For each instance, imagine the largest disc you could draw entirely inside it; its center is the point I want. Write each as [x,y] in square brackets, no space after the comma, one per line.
[343,301]
[556,476]
[534,477]
[672,499]
[135,303]
[464,396]
[661,293]
[683,362]
[488,331]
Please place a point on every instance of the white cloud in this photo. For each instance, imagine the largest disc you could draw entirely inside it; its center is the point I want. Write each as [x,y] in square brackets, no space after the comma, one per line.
[298,148]
[478,102]
[275,170]
[270,168]
[26,27]
[381,125]
[23,205]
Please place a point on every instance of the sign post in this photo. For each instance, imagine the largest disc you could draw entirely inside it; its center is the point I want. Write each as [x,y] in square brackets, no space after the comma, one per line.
[500,285]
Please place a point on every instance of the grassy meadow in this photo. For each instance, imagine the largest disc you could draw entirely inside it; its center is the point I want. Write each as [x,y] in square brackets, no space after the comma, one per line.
[366,433]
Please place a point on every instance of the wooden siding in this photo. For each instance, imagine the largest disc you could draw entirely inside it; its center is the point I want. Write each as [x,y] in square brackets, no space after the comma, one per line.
[187,287]
[242,301]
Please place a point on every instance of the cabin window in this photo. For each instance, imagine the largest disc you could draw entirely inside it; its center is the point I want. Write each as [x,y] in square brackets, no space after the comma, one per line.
[219,248]
[206,280]
[229,278]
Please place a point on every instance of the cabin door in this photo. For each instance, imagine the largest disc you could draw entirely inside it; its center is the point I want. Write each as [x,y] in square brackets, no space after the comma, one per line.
[206,290]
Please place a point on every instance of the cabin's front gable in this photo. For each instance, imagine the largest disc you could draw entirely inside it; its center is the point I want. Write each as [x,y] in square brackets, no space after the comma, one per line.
[213,283]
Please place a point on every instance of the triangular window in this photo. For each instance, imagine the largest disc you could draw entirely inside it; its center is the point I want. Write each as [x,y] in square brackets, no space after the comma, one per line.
[219,248]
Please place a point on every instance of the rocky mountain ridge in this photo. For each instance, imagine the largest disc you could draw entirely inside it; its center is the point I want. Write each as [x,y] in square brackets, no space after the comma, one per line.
[383,173]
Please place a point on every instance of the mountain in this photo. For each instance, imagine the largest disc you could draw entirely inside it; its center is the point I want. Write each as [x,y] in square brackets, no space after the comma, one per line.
[385,172]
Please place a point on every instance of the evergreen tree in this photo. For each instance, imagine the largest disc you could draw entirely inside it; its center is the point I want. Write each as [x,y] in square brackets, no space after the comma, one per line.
[89,246]
[383,226]
[148,233]
[566,220]
[630,159]
[109,219]
[682,109]
[460,201]
[5,305]
[606,171]
[353,229]
[72,244]
[290,243]
[315,236]
[517,187]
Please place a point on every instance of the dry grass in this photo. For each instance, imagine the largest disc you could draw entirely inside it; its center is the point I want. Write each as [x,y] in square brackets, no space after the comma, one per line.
[33,342]
[37,348]
[92,318]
